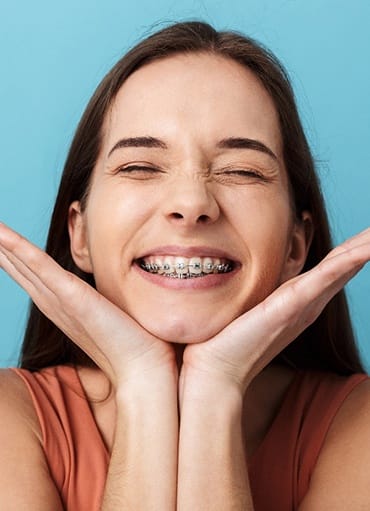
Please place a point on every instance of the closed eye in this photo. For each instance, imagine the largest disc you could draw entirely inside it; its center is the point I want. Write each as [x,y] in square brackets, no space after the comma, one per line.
[243,172]
[137,171]
[241,175]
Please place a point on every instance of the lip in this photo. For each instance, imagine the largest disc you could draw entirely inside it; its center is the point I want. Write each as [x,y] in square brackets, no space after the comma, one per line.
[191,251]
[206,282]
[210,281]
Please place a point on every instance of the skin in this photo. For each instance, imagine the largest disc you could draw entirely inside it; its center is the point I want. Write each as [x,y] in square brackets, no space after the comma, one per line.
[193,197]
[180,427]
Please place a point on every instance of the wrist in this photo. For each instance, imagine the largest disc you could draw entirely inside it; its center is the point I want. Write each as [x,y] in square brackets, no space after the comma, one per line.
[209,390]
[216,369]
[143,387]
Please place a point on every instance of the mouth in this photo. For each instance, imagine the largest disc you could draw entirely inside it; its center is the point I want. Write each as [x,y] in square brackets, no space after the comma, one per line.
[176,267]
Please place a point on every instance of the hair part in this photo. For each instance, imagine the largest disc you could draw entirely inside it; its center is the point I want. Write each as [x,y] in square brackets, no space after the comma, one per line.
[328,344]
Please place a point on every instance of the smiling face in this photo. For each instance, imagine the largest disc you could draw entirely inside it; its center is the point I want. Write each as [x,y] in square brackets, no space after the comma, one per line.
[188,220]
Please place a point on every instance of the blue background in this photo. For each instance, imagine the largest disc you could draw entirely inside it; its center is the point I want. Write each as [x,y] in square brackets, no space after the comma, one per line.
[53,54]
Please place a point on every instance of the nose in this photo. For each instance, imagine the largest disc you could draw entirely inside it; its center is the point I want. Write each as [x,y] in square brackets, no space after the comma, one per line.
[191,202]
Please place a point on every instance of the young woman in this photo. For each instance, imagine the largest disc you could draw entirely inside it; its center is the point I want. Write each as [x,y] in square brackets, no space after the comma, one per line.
[189,346]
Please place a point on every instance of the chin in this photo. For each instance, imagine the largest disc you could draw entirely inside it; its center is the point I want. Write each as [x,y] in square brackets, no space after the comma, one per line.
[182,330]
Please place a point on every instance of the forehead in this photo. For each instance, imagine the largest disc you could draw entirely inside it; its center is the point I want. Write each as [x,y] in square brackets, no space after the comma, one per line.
[200,96]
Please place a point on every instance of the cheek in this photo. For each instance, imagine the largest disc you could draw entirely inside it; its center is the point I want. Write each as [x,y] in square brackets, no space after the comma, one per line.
[120,196]
[266,229]
[114,215]
[264,222]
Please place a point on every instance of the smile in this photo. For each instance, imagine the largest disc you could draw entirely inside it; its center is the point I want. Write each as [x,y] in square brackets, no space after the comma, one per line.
[185,268]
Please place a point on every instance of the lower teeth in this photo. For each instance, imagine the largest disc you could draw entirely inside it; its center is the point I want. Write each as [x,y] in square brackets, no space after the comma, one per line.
[224,268]
[183,275]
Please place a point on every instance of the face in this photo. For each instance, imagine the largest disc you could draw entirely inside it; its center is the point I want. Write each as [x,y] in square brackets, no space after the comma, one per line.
[188,221]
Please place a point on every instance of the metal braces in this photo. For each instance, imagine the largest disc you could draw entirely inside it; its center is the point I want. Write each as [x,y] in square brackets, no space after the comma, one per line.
[170,270]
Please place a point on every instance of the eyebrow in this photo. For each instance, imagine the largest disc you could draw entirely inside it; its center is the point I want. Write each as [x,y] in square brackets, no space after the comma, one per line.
[138,142]
[245,143]
[225,143]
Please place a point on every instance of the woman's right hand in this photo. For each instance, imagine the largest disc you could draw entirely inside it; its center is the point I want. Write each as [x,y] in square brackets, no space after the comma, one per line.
[112,339]
[141,368]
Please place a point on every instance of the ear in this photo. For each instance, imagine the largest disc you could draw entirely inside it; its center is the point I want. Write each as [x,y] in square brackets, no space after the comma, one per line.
[300,242]
[78,237]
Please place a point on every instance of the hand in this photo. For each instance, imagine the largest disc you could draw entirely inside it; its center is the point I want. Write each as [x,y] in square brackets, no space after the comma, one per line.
[240,351]
[116,343]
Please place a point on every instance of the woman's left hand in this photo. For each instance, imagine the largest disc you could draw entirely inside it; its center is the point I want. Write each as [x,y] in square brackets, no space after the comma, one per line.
[242,349]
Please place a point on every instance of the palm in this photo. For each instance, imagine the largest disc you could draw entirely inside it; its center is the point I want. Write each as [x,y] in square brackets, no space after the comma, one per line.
[251,341]
[118,345]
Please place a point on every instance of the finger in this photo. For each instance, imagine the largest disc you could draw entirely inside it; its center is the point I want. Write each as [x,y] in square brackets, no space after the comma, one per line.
[60,307]
[52,288]
[361,238]
[32,262]
[256,337]
[108,335]
[40,275]
[46,299]
[334,271]
[8,266]
[300,301]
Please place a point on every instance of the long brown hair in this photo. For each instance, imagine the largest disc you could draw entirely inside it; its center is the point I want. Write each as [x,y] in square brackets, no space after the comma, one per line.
[328,343]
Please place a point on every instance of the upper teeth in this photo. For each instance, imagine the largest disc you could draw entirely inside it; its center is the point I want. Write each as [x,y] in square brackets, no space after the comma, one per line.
[183,267]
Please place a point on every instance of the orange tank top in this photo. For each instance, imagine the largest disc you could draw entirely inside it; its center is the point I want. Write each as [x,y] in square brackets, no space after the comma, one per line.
[279,470]
[76,454]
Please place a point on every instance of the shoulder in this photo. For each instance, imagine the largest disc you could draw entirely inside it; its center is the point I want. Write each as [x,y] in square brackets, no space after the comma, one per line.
[25,482]
[350,425]
[341,478]
[17,410]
